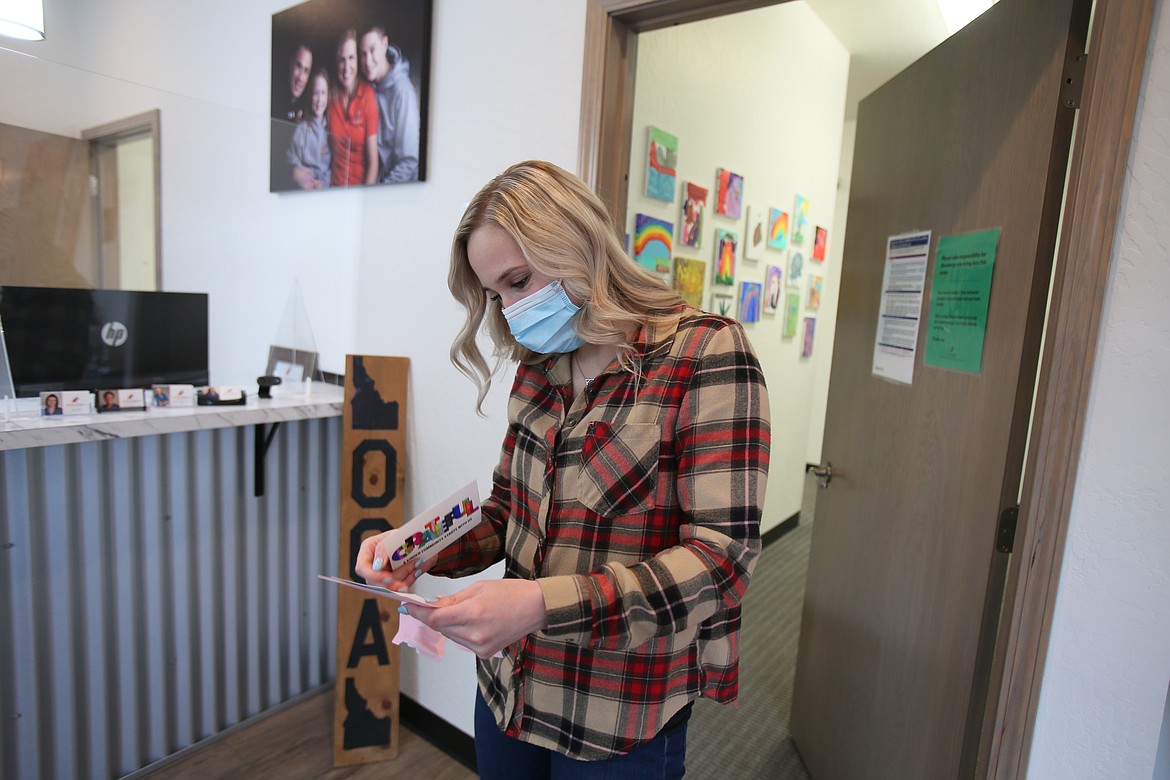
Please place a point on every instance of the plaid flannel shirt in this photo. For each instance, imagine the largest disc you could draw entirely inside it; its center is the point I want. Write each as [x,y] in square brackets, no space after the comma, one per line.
[636,506]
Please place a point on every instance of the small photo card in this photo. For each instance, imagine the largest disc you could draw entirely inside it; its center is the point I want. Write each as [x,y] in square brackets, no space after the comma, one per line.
[127,400]
[224,395]
[172,395]
[52,405]
[66,402]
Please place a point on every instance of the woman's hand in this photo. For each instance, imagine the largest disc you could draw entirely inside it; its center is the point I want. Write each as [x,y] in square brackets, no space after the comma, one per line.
[487,616]
[373,565]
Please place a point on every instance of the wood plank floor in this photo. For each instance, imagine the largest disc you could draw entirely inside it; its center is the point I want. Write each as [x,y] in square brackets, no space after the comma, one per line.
[297,744]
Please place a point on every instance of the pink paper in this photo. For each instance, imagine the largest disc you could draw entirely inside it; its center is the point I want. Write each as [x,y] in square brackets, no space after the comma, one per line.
[420,636]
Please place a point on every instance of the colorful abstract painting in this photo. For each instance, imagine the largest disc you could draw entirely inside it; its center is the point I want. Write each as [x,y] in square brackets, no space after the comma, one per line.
[729,194]
[795,268]
[819,244]
[810,329]
[661,164]
[725,245]
[723,304]
[757,234]
[749,301]
[694,205]
[773,289]
[690,280]
[777,229]
[816,286]
[800,220]
[652,239]
[791,315]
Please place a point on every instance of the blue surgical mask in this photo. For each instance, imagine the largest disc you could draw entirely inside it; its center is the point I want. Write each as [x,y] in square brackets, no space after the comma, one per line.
[543,321]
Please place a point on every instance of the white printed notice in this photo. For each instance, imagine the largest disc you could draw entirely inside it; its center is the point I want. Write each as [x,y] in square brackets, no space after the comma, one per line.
[902,283]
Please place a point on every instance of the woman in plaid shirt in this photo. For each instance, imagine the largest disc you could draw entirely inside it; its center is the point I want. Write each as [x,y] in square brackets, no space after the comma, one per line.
[626,504]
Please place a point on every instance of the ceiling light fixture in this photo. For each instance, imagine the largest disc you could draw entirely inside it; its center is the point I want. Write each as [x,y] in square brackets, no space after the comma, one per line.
[22,19]
[957,14]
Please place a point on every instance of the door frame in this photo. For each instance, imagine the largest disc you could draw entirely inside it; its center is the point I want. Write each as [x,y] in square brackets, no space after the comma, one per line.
[1118,40]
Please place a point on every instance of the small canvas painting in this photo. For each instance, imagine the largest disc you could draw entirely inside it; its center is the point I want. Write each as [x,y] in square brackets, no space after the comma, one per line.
[661,164]
[723,304]
[693,207]
[791,315]
[795,269]
[690,278]
[729,194]
[819,243]
[810,328]
[800,220]
[816,284]
[777,229]
[749,301]
[725,243]
[652,239]
[773,289]
[757,236]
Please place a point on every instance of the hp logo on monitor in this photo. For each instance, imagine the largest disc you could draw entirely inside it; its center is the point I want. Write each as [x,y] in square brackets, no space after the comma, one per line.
[114,333]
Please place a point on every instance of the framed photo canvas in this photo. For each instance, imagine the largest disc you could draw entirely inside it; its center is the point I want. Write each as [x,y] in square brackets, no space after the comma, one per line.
[694,206]
[327,98]
[291,365]
[729,194]
[661,164]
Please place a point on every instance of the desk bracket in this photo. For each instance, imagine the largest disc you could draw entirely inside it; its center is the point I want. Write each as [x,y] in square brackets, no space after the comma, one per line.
[262,441]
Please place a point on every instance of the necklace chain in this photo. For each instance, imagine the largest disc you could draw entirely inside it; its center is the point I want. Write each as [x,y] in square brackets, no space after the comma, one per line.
[581,372]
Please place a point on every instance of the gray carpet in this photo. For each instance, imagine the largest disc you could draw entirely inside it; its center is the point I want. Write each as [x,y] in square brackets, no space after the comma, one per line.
[752,741]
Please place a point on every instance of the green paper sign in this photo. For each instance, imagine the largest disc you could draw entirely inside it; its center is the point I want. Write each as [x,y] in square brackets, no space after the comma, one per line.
[958,300]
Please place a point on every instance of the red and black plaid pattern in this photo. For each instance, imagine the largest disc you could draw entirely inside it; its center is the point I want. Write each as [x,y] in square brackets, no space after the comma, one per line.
[637,505]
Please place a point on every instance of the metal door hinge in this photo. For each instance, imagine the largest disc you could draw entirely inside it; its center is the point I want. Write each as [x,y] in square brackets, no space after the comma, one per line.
[1072,80]
[1005,535]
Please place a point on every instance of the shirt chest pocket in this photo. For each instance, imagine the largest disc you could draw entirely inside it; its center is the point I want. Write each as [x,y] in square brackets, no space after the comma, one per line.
[619,468]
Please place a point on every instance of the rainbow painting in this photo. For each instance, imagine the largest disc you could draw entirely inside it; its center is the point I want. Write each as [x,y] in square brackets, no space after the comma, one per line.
[661,164]
[749,301]
[729,195]
[725,243]
[689,279]
[652,239]
[777,229]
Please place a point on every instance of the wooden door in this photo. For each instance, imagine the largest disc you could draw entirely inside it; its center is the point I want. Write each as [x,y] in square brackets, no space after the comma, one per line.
[904,582]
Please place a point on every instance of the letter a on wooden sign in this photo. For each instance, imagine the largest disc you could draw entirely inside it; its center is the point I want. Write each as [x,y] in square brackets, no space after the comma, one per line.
[365,717]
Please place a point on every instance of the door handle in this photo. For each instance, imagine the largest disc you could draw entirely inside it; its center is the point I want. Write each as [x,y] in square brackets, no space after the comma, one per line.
[823,472]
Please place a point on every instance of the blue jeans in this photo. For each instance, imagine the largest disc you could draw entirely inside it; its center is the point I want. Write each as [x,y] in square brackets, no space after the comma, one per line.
[501,757]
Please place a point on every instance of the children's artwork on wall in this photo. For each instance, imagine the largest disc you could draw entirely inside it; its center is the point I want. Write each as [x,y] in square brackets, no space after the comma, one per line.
[729,194]
[749,301]
[652,239]
[725,244]
[777,229]
[816,284]
[690,279]
[661,164]
[800,220]
[773,289]
[810,328]
[757,235]
[791,315]
[819,243]
[795,268]
[723,304]
[694,206]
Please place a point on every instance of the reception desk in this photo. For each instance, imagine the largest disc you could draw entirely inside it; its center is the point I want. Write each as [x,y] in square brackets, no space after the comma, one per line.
[149,597]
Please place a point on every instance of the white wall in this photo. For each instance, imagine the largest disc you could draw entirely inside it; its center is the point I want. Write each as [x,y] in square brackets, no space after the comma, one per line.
[1103,693]
[761,93]
[371,263]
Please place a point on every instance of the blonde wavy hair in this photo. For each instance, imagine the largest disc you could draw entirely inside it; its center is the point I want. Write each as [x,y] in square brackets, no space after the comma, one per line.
[564,232]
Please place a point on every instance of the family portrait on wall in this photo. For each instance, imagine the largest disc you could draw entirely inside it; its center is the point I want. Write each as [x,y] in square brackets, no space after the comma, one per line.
[350,82]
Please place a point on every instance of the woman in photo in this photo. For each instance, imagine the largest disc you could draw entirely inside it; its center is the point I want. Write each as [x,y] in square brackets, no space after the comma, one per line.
[353,120]
[52,406]
[627,499]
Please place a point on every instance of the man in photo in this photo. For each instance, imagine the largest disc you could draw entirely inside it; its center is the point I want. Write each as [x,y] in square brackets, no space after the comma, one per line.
[110,401]
[388,71]
[299,67]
